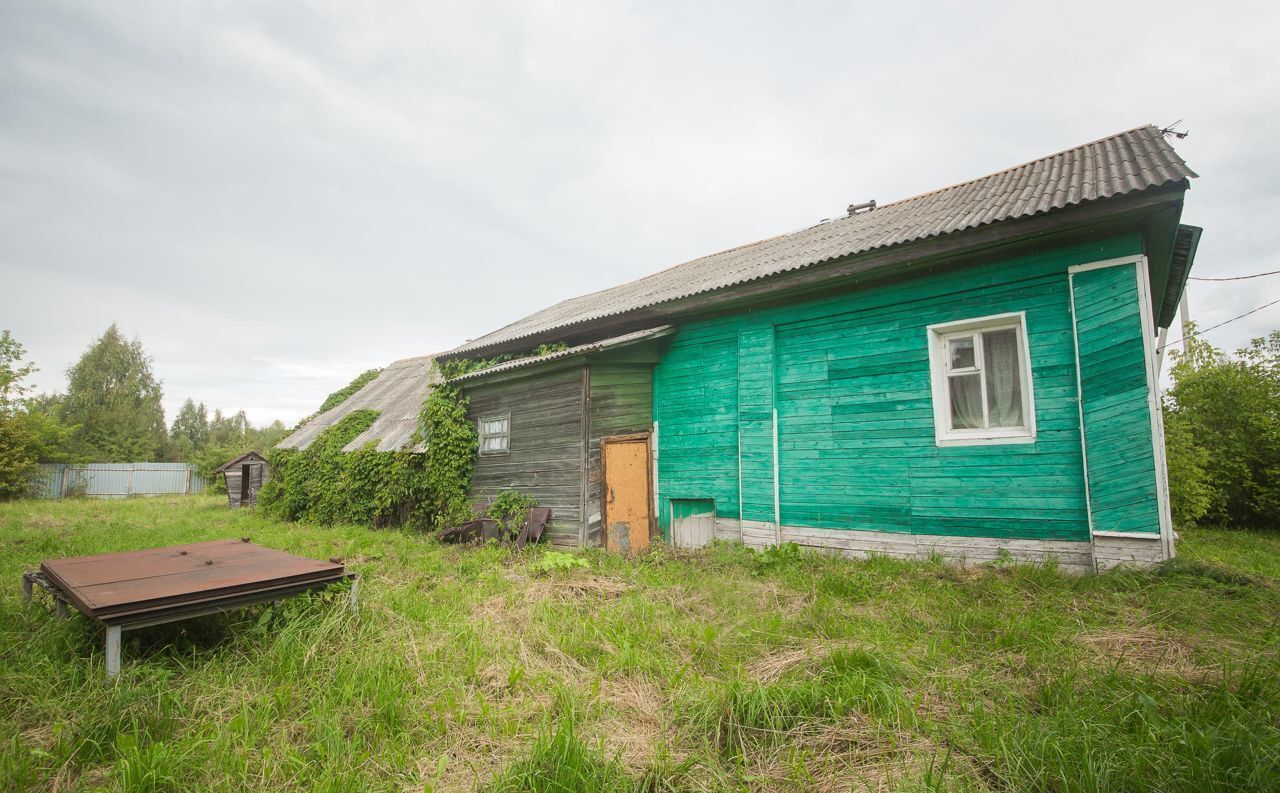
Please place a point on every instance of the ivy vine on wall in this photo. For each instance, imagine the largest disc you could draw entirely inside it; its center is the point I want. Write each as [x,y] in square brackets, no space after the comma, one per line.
[323,484]
[450,458]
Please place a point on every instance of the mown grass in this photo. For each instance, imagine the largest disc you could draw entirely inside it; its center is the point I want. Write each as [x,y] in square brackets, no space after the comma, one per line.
[480,668]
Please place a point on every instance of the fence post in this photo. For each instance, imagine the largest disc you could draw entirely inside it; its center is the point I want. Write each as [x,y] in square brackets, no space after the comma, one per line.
[128,489]
[186,484]
[62,491]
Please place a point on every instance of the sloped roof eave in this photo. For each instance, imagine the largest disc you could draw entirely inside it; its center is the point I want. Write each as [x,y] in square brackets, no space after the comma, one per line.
[1125,164]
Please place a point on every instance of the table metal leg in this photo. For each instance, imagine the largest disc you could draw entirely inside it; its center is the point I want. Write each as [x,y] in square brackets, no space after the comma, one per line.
[355,591]
[26,589]
[113,650]
[62,608]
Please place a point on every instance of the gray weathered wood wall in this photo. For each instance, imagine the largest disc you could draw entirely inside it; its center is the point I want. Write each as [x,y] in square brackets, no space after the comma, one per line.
[544,458]
[257,475]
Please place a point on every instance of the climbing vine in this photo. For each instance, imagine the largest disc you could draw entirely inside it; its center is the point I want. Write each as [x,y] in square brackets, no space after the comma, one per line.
[457,367]
[323,484]
[341,395]
[451,443]
[511,509]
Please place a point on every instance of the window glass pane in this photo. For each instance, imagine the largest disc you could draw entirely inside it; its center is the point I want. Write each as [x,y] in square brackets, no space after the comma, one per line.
[961,351]
[1003,364]
[966,401]
[494,434]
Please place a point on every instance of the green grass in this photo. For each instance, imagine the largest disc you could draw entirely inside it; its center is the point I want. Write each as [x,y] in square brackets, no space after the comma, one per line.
[482,668]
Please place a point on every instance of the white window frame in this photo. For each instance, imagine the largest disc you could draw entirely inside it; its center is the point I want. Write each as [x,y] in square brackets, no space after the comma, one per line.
[939,337]
[506,436]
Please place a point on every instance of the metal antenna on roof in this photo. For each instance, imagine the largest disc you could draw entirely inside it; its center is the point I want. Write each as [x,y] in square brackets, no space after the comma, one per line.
[1171,132]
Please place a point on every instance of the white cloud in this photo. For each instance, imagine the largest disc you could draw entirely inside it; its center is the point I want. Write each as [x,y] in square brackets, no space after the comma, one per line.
[276,197]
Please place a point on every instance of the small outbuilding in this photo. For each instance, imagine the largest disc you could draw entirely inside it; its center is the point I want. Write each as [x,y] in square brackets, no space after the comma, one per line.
[244,475]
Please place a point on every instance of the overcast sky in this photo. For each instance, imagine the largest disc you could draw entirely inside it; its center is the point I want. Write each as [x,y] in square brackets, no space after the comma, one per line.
[274,197]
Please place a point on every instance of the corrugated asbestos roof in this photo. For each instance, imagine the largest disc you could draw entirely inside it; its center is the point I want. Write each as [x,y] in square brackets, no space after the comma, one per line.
[1129,162]
[568,352]
[397,394]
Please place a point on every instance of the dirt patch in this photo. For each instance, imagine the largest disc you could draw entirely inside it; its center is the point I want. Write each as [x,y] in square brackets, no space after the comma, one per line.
[635,722]
[45,523]
[583,587]
[770,668]
[1145,649]
[854,753]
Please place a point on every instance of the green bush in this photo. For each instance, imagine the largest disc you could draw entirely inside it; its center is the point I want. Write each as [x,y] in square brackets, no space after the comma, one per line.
[511,509]
[1190,492]
[323,484]
[17,458]
[450,457]
[1222,430]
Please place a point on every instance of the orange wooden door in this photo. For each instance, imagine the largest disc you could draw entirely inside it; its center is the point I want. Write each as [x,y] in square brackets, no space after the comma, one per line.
[626,494]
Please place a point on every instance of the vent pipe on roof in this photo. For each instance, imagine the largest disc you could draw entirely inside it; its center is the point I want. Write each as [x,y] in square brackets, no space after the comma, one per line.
[858,209]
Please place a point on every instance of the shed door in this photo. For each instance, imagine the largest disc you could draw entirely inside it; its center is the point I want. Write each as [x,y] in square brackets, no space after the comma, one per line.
[246,489]
[626,494]
[693,522]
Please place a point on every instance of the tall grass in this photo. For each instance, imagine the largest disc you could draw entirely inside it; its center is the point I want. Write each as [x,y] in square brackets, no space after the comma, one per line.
[480,668]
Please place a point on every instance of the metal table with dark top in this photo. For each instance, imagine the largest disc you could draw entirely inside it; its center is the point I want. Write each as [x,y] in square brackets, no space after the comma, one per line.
[135,589]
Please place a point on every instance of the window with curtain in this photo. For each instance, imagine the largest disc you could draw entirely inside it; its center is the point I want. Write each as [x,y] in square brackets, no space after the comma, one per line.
[495,434]
[981,381]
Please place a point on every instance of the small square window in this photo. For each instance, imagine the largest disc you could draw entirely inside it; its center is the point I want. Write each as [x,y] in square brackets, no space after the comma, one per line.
[981,372]
[495,434]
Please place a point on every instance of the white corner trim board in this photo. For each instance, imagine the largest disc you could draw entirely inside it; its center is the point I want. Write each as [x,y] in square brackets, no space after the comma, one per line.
[1140,268]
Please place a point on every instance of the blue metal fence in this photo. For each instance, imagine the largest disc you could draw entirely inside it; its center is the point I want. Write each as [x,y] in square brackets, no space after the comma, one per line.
[118,480]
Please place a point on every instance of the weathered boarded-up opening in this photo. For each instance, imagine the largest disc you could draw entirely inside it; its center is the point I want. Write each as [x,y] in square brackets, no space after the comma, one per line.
[693,522]
[628,519]
[244,477]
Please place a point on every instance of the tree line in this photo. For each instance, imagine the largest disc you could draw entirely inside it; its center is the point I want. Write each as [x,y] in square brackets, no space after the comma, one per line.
[1222,434]
[111,412]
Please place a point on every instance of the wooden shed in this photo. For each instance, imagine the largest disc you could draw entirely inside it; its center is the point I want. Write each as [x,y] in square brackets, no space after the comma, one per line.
[245,475]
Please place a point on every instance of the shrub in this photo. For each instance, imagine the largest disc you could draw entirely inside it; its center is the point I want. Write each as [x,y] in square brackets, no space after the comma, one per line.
[1222,419]
[450,457]
[511,509]
[323,484]
[17,458]
[559,561]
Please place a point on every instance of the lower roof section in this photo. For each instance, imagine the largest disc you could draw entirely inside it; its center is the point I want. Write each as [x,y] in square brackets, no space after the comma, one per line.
[397,394]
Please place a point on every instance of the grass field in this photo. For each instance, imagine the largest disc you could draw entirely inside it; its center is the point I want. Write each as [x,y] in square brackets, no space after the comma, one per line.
[724,670]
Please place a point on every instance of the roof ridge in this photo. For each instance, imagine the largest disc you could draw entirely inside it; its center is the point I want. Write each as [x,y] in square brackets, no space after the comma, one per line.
[1133,160]
[1019,166]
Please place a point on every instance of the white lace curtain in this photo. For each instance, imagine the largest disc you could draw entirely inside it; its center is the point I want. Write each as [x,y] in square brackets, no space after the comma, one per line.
[1004,378]
[1001,367]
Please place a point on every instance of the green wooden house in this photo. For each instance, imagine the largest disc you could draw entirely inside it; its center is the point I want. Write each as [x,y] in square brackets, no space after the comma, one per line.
[970,372]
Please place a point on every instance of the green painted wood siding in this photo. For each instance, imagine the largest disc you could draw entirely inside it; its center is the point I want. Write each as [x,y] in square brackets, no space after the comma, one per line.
[756,361]
[1114,400]
[849,377]
[696,407]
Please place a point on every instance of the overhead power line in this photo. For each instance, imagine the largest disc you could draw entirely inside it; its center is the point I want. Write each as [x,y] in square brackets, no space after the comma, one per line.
[1236,277]
[1220,324]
